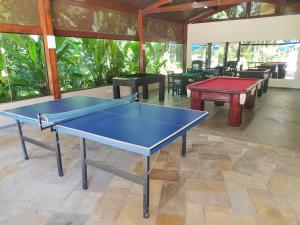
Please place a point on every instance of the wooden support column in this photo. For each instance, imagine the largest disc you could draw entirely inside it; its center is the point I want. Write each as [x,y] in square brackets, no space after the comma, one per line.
[277,9]
[239,56]
[248,9]
[226,54]
[208,56]
[49,46]
[185,33]
[239,52]
[142,49]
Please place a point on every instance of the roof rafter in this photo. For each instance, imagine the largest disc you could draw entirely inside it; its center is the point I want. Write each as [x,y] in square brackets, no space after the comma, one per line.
[109,5]
[208,13]
[195,5]
[156,5]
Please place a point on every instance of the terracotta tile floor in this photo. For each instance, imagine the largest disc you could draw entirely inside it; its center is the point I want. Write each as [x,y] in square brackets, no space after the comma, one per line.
[221,181]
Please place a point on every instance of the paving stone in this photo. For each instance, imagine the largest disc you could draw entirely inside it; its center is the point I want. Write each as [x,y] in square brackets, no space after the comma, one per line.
[214,218]
[221,181]
[194,214]
[67,219]
[241,202]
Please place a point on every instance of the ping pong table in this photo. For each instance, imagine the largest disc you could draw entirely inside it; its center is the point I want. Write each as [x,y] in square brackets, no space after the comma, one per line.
[131,126]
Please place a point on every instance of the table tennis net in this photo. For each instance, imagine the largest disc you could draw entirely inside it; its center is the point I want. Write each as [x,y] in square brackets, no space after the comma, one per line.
[50,120]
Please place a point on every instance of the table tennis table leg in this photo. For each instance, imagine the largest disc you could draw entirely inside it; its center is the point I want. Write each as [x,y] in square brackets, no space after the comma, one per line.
[183,146]
[146,187]
[84,164]
[58,155]
[22,140]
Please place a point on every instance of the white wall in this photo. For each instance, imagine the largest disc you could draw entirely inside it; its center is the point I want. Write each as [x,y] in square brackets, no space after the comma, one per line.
[260,29]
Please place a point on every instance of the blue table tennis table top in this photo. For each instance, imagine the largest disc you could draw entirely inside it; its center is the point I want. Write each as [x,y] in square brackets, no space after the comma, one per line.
[137,127]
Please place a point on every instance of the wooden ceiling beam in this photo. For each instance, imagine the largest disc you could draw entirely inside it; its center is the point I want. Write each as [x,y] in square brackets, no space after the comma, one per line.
[109,5]
[196,5]
[156,5]
[208,13]
[20,29]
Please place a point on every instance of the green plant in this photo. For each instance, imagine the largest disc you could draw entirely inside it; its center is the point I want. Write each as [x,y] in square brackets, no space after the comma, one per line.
[24,64]
[155,57]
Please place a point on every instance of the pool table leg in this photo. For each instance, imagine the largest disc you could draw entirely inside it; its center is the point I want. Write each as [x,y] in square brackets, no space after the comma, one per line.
[250,101]
[197,103]
[235,111]
[266,85]
[260,90]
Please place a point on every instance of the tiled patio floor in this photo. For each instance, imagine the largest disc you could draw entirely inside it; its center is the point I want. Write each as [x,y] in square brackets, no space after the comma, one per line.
[221,181]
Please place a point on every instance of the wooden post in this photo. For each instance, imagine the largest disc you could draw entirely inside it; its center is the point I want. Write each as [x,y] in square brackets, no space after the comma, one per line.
[208,56]
[185,33]
[277,9]
[248,9]
[239,56]
[239,52]
[141,42]
[49,46]
[226,54]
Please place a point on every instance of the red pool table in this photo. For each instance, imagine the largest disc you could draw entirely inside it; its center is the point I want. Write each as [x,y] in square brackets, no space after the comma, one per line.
[238,92]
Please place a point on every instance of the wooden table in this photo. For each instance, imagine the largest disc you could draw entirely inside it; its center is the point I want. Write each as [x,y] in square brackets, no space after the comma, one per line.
[136,80]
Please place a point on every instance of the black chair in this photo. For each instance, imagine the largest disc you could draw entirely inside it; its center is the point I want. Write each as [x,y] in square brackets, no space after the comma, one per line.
[189,70]
[197,65]
[219,71]
[176,82]
[231,69]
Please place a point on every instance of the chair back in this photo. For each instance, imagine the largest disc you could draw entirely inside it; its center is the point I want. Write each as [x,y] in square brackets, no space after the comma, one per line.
[197,64]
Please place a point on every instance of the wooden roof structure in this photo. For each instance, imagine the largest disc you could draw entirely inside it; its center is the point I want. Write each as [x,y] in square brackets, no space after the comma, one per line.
[138,20]
[191,11]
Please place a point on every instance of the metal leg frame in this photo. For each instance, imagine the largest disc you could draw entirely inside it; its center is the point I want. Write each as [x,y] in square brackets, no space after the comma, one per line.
[55,149]
[183,147]
[22,140]
[146,213]
[128,176]
[84,164]
[58,155]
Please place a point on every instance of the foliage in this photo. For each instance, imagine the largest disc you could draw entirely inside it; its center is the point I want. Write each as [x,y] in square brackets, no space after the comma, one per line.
[233,52]
[232,12]
[82,63]
[155,57]
[88,63]
[163,57]
[22,57]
